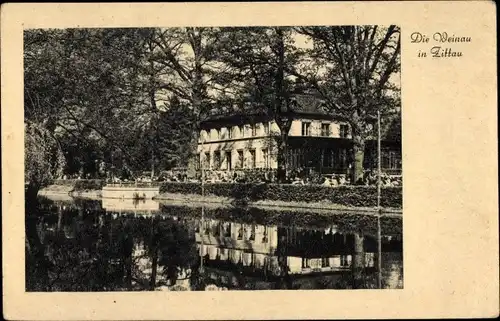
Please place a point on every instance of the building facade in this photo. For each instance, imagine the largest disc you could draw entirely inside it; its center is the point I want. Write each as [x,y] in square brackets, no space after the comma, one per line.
[315,141]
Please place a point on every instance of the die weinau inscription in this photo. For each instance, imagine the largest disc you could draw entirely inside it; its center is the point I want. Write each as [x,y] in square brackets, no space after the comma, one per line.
[442,44]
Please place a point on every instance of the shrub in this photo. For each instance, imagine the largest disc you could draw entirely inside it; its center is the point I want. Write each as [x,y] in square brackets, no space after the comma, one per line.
[358,196]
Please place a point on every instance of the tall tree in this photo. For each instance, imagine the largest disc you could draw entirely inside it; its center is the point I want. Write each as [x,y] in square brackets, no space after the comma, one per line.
[184,66]
[259,59]
[165,141]
[354,68]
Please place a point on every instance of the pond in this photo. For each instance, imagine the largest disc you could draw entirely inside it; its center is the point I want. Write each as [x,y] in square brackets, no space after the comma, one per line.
[113,245]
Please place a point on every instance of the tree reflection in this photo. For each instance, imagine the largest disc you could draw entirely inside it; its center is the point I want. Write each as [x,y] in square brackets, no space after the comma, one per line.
[80,249]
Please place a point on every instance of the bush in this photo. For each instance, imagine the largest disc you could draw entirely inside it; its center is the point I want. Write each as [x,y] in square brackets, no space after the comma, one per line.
[358,196]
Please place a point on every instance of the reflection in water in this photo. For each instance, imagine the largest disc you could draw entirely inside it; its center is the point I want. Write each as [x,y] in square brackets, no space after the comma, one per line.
[124,246]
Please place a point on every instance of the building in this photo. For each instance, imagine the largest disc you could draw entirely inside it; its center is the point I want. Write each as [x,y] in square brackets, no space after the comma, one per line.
[246,139]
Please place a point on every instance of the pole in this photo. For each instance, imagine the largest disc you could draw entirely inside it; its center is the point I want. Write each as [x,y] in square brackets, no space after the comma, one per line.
[379,209]
[203,205]
[378,161]
[152,165]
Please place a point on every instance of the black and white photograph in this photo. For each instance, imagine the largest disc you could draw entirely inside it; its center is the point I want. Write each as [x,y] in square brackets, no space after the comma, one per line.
[213,158]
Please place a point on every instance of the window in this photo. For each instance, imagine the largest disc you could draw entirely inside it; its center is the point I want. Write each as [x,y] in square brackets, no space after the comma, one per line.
[207,228]
[341,158]
[306,129]
[391,160]
[328,157]
[216,159]
[266,128]
[344,131]
[217,233]
[242,131]
[227,230]
[253,158]
[228,160]
[230,132]
[252,233]
[325,262]
[206,164]
[254,130]
[217,133]
[265,156]
[240,233]
[343,260]
[325,129]
[240,159]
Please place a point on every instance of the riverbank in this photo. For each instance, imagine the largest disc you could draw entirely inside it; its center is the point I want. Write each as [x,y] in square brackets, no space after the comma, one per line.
[55,190]
[285,196]
[225,201]
[216,201]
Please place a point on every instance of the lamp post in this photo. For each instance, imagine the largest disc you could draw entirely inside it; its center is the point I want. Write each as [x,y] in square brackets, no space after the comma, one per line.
[379,209]
[202,167]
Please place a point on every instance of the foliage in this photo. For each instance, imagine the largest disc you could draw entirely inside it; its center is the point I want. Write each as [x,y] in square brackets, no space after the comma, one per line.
[96,92]
[355,70]
[43,158]
[170,135]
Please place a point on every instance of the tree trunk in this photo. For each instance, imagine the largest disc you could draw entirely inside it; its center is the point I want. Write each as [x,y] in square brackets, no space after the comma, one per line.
[192,161]
[282,157]
[358,155]
[358,261]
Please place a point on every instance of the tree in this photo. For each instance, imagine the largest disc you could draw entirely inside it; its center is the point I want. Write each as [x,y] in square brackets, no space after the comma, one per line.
[183,63]
[84,86]
[353,69]
[164,142]
[43,158]
[259,59]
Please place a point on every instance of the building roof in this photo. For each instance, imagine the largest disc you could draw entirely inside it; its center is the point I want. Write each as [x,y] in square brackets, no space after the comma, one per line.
[307,105]
[302,105]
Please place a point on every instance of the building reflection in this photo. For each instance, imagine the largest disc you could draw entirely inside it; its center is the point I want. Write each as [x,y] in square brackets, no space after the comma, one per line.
[277,251]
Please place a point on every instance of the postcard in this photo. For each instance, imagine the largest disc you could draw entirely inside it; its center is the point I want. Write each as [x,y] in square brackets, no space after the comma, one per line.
[249,160]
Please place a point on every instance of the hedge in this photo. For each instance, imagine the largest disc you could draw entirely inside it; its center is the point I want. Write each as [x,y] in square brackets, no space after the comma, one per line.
[358,196]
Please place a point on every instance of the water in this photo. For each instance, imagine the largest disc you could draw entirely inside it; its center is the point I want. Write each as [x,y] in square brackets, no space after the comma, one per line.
[111,245]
